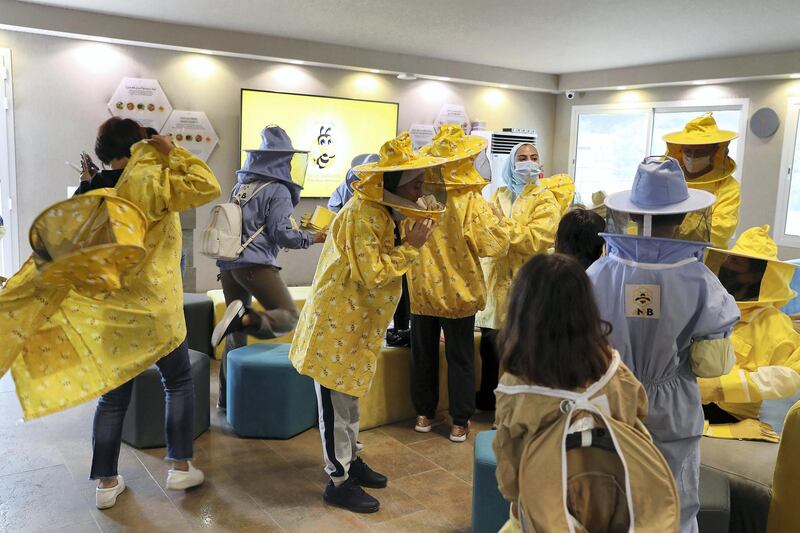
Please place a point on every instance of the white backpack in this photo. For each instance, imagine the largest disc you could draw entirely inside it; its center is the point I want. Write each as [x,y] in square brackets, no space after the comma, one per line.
[222,238]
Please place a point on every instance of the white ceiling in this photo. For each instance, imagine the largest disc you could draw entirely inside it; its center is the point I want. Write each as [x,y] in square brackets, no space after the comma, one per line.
[550,36]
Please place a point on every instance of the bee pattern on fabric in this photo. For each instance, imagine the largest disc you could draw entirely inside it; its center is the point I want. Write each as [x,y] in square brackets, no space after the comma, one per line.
[643,301]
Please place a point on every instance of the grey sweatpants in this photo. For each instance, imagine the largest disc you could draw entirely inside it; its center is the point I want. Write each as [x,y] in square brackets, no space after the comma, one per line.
[263,282]
[338,428]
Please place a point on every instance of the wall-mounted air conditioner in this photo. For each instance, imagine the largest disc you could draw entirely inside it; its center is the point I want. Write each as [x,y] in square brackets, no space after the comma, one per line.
[499,146]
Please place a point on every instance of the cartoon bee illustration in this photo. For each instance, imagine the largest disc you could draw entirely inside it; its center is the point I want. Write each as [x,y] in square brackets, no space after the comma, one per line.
[324,151]
[643,297]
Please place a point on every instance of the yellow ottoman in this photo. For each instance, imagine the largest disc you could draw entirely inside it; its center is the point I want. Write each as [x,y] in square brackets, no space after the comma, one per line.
[299,295]
[389,398]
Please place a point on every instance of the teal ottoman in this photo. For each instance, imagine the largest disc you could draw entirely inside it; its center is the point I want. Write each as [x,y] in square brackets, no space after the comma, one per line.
[267,398]
[489,509]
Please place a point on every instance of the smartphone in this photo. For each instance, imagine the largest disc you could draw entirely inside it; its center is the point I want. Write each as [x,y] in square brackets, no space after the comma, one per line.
[87,165]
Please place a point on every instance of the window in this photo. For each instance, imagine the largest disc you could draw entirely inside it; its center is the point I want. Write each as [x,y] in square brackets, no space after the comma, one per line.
[8,242]
[608,142]
[609,146]
[787,216]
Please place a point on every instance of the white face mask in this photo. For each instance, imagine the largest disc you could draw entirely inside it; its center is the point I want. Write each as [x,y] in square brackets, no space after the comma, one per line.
[527,169]
[696,164]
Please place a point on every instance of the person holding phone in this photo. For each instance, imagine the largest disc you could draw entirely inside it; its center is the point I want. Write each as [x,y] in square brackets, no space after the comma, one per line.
[112,146]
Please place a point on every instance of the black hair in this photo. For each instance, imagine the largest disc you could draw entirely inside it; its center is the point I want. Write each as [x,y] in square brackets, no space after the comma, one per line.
[115,137]
[578,235]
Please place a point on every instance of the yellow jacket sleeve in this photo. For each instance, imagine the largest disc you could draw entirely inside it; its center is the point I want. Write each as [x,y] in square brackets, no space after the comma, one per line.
[484,233]
[769,382]
[767,363]
[160,184]
[536,231]
[191,182]
[562,187]
[369,265]
[712,358]
[725,213]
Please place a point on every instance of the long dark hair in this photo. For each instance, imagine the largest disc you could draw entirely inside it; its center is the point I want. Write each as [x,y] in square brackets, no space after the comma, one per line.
[553,335]
[578,236]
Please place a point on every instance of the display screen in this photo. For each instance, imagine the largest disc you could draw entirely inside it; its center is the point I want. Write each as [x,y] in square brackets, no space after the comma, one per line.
[333,130]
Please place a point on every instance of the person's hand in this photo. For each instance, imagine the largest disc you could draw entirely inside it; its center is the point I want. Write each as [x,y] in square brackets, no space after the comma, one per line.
[321,235]
[420,232]
[162,143]
[497,212]
[88,168]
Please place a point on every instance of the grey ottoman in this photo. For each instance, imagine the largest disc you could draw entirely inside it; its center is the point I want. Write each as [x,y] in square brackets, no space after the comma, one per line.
[715,502]
[144,421]
[749,467]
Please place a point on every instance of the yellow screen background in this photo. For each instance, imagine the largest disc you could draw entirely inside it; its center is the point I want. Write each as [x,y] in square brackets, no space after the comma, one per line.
[356,127]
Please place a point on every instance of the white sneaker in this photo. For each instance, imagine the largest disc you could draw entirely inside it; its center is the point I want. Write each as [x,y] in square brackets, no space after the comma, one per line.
[106,498]
[359,446]
[180,480]
[230,323]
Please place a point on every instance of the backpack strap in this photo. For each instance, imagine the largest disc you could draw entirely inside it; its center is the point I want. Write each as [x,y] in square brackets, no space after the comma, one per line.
[240,199]
[251,239]
[244,195]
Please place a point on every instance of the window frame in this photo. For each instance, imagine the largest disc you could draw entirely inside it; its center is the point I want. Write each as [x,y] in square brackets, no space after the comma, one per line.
[699,105]
[790,138]
[8,191]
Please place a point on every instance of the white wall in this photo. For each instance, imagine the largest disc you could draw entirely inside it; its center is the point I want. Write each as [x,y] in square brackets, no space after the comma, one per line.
[61,87]
[760,172]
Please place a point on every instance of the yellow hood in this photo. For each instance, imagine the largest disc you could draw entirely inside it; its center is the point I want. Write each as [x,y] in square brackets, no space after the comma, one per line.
[88,242]
[755,243]
[460,151]
[704,130]
[395,155]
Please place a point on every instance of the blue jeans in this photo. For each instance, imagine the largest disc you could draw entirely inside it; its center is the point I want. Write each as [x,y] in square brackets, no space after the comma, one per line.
[176,376]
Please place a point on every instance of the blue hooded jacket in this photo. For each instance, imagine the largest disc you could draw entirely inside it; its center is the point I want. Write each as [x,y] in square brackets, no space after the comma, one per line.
[344,191]
[273,205]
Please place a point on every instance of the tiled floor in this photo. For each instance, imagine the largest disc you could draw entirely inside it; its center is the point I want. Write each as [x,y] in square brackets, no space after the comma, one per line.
[251,485]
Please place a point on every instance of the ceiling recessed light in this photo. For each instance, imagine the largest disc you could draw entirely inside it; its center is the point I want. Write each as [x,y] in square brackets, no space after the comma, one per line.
[699,82]
[444,78]
[406,76]
[622,88]
[503,86]
[296,62]
[795,76]
[375,71]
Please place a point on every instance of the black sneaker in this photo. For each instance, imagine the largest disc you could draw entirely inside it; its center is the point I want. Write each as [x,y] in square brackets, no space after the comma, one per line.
[398,337]
[350,496]
[363,475]
[231,322]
